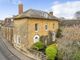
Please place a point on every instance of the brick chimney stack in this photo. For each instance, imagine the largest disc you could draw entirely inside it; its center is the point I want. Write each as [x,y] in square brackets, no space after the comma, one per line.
[20,7]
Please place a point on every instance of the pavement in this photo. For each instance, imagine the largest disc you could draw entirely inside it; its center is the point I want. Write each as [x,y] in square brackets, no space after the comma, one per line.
[9,52]
[2,57]
[5,53]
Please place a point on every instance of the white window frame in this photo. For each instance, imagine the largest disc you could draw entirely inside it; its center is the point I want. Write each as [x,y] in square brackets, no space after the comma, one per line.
[18,41]
[54,36]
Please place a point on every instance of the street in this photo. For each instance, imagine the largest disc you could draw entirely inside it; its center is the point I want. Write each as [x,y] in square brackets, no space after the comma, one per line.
[5,54]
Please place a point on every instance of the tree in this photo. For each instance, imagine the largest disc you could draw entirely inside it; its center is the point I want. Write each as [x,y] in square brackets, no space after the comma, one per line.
[77,15]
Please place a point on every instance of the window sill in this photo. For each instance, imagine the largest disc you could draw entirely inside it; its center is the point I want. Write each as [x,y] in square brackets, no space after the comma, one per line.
[36,31]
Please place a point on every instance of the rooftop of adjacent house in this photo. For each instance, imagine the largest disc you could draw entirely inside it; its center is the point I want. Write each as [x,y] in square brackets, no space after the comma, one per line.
[70,22]
[32,13]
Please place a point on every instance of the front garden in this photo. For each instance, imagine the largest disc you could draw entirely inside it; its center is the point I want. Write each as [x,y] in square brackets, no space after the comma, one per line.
[47,47]
[50,51]
[59,50]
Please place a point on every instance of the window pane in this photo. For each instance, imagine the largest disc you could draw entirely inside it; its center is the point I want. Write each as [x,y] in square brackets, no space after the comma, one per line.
[53,26]
[46,27]
[36,27]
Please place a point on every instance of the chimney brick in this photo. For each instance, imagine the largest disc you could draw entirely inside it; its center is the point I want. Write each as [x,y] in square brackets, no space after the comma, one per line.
[20,7]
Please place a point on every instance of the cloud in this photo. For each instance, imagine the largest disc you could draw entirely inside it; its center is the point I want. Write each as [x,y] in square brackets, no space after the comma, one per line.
[15,2]
[66,9]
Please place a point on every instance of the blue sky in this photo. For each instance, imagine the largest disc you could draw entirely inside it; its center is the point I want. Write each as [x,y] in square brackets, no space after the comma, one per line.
[61,8]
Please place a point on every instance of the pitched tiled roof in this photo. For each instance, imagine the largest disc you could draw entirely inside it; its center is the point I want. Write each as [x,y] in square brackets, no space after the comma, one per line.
[70,22]
[32,13]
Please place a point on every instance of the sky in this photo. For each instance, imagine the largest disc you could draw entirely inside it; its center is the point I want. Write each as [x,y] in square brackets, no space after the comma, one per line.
[60,8]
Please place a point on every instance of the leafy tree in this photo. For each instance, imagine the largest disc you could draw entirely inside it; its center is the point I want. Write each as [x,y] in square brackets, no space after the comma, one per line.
[77,15]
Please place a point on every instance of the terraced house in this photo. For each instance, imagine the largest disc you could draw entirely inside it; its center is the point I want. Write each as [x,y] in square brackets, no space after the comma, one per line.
[7,29]
[30,25]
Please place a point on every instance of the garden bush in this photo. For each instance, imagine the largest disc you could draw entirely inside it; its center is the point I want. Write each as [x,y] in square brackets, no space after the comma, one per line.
[51,52]
[38,45]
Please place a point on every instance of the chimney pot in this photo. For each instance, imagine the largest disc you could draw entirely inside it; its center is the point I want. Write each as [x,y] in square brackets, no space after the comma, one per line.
[51,13]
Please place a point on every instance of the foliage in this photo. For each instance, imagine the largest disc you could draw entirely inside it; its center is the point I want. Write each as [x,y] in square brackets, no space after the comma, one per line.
[51,52]
[77,15]
[77,56]
[67,50]
[58,35]
[38,45]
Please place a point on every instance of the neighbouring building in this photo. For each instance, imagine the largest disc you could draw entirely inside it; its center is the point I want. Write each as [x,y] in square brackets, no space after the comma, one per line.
[31,24]
[1,23]
[7,29]
[70,29]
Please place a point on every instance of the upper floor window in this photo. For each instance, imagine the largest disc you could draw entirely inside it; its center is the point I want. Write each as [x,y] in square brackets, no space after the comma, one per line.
[53,25]
[36,27]
[46,27]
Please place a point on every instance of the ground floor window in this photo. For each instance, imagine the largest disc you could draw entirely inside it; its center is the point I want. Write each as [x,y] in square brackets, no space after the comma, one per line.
[18,39]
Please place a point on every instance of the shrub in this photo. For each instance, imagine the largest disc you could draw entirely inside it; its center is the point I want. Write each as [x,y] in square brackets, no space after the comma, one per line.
[37,46]
[51,52]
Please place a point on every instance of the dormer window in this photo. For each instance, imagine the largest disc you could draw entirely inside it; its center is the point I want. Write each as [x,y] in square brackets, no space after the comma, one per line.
[45,15]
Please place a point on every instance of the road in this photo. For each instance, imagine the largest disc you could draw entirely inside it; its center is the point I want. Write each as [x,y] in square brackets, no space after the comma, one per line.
[5,54]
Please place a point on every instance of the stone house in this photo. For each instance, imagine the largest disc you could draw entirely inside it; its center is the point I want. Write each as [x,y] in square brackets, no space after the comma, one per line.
[30,25]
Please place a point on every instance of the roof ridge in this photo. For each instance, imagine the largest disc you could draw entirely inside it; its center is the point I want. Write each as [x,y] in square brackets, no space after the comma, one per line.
[35,10]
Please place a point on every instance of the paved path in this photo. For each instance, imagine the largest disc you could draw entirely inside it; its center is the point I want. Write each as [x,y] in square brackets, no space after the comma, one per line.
[2,57]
